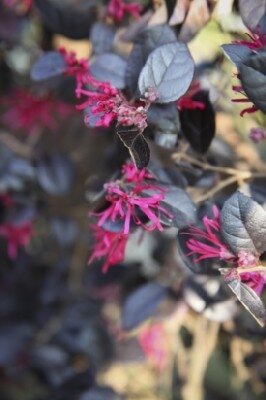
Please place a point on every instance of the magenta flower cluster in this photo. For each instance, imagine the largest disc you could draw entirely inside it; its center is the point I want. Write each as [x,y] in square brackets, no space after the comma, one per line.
[133,201]
[207,243]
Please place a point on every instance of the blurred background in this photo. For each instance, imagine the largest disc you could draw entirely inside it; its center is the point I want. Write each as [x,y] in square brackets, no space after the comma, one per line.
[68,331]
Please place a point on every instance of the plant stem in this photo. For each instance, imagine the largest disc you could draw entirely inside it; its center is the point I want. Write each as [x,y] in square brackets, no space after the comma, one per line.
[205,338]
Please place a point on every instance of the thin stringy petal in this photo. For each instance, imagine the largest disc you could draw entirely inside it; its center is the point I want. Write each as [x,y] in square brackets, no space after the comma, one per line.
[108,245]
[117,9]
[17,236]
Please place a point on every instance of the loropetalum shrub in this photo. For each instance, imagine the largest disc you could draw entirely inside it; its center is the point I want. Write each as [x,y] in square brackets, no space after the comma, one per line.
[170,179]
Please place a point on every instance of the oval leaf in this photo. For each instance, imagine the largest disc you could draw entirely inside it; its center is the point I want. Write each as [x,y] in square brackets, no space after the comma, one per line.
[198,125]
[145,43]
[136,143]
[141,304]
[180,206]
[252,12]
[111,68]
[170,70]
[236,53]
[243,224]
[247,297]
[253,78]
[55,173]
[47,66]
[73,21]
[102,37]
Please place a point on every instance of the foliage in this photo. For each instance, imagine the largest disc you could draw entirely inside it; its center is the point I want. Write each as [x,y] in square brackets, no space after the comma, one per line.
[110,108]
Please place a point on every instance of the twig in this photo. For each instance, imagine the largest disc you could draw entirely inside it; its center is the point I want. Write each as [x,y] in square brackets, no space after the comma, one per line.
[22,149]
[210,193]
[235,175]
[223,170]
[205,338]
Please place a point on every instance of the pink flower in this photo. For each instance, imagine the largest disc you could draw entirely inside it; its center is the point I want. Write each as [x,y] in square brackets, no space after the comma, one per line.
[187,102]
[130,205]
[255,280]
[128,115]
[109,245]
[103,99]
[17,236]
[257,40]
[104,102]
[257,134]
[77,68]
[245,259]
[109,104]
[117,9]
[132,174]
[133,200]
[211,246]
[29,112]
[153,342]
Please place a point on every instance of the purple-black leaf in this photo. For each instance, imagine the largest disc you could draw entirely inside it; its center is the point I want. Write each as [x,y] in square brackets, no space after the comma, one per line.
[236,53]
[253,78]
[247,296]
[47,66]
[202,267]
[72,21]
[136,143]
[145,43]
[109,67]
[198,126]
[178,203]
[243,224]
[102,37]
[169,69]
[252,12]
[55,173]
[164,118]
[100,393]
[141,304]
[65,230]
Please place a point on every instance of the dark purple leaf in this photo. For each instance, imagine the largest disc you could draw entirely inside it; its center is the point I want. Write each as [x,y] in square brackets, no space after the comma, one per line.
[243,224]
[164,118]
[109,67]
[252,12]
[47,66]
[253,78]
[247,296]
[198,126]
[136,143]
[258,190]
[141,304]
[180,206]
[13,338]
[73,21]
[102,37]
[65,230]
[145,43]
[169,69]
[203,267]
[236,53]
[100,393]
[88,337]
[55,173]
